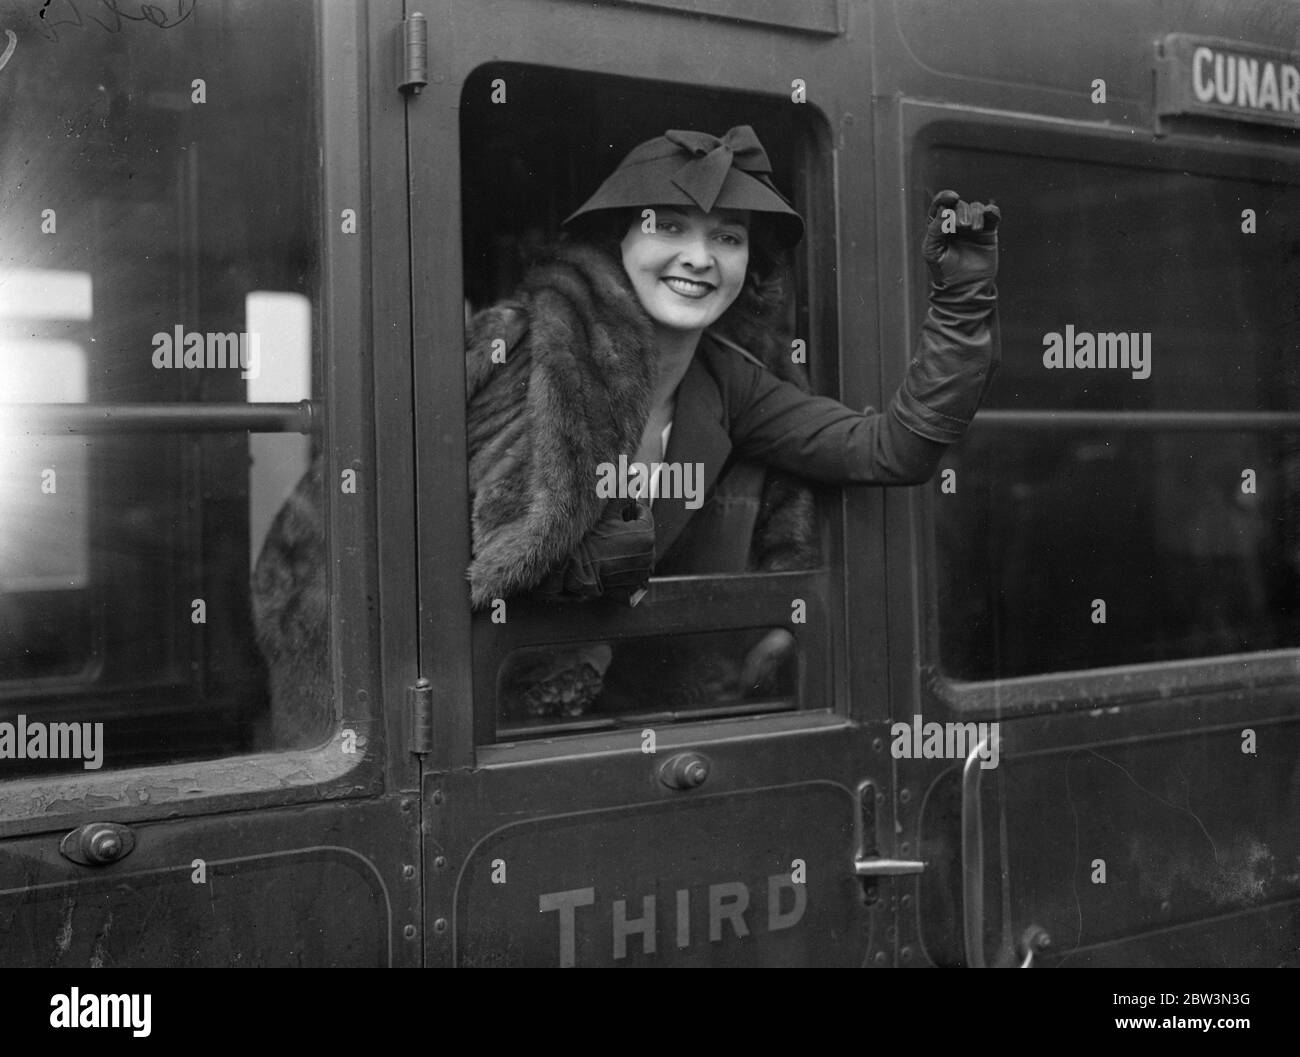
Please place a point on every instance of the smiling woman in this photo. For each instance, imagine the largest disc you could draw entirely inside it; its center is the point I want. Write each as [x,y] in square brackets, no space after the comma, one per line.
[631,340]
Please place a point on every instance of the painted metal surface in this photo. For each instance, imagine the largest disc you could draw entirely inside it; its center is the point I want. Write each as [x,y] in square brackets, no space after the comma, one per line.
[321,886]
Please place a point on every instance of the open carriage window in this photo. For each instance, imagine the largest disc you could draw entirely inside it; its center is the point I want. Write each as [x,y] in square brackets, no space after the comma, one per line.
[734,620]
[159,213]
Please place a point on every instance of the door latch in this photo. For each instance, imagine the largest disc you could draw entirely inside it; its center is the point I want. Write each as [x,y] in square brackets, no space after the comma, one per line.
[868,866]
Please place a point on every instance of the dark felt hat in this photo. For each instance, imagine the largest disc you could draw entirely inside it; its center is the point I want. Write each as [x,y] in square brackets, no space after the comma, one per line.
[696,169]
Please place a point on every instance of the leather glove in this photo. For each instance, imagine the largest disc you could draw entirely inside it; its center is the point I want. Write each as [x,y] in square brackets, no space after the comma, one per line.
[613,560]
[966,258]
[959,348]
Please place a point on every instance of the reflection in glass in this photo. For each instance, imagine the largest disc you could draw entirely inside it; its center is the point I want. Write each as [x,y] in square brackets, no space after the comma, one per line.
[132,215]
[1191,555]
[589,685]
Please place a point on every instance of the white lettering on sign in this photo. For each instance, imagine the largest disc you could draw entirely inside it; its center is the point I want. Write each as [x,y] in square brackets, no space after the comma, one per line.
[1230,79]
[727,902]
[1244,81]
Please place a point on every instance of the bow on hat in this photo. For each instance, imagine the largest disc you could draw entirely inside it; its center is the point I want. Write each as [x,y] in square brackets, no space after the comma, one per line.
[712,158]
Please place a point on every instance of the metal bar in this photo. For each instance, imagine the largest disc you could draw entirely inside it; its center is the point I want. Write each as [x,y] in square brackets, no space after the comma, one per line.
[158,418]
[1197,421]
[972,859]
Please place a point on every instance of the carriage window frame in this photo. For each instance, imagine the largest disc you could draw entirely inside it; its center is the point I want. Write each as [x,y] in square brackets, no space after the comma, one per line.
[929,128]
[341,415]
[703,603]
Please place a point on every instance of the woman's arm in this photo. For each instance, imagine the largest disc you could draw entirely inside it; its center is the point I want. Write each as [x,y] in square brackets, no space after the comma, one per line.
[822,439]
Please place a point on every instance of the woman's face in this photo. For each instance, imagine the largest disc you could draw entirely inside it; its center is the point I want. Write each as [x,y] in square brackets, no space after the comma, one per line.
[689,270]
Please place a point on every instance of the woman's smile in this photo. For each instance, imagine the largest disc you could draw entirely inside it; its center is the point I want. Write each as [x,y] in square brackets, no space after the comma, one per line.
[691,288]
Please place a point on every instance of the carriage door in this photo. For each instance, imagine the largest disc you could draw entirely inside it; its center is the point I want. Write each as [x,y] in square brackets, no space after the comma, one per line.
[691,806]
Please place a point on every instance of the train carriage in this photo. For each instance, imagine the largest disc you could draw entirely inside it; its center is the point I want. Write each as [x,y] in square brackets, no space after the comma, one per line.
[1041,711]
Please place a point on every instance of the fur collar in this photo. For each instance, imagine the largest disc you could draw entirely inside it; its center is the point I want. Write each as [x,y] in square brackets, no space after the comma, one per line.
[574,391]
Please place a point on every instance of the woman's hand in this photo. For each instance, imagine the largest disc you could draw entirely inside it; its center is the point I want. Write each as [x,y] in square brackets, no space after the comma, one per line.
[961,242]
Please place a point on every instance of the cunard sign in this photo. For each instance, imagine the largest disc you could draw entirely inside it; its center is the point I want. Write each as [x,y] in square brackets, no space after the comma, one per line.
[1227,79]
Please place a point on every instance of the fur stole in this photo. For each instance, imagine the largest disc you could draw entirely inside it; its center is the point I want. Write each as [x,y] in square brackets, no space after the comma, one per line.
[573,392]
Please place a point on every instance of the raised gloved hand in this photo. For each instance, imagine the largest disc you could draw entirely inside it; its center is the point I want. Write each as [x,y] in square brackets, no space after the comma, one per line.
[613,560]
[966,254]
[958,348]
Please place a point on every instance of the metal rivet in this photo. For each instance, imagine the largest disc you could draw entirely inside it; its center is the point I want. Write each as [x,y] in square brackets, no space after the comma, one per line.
[407,805]
[437,796]
[408,872]
[880,798]
[905,795]
[440,925]
[905,848]
[906,954]
[106,846]
[880,958]
[439,863]
[409,932]
[906,901]
[877,744]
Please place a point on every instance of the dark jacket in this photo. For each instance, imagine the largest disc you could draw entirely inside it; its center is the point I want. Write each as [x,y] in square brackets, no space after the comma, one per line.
[574,393]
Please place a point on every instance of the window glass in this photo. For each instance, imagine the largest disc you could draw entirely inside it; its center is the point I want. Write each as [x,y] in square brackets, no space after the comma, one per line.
[159,213]
[633,681]
[525,167]
[1187,535]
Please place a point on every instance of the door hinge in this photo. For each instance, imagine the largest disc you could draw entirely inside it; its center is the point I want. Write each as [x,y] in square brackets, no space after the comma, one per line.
[420,695]
[415,54]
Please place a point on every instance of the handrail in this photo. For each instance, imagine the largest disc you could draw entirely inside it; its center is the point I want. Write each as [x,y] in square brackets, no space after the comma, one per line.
[972,860]
[1199,421]
[189,417]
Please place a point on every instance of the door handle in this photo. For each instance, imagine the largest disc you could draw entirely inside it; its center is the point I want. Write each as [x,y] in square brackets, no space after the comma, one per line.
[886,867]
[868,865]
